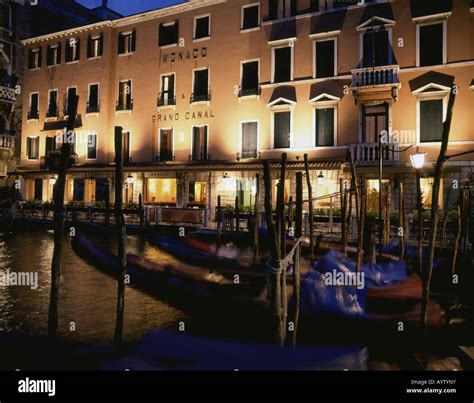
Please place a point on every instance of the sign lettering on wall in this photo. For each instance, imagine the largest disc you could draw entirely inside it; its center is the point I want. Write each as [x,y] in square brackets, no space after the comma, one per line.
[183,55]
[176,116]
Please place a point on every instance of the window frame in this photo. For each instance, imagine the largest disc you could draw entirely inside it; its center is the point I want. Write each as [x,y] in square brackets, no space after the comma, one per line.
[49,103]
[29,107]
[389,29]
[315,62]
[88,98]
[132,34]
[78,50]
[242,62]
[292,62]
[208,85]
[277,109]
[131,96]
[161,89]
[37,51]
[56,46]
[67,98]
[257,28]
[444,44]
[241,133]
[325,105]
[207,141]
[100,39]
[205,38]
[96,135]
[172,142]
[430,96]
[165,24]
[38,148]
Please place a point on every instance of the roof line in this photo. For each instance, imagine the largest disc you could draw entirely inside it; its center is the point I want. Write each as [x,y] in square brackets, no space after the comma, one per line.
[129,20]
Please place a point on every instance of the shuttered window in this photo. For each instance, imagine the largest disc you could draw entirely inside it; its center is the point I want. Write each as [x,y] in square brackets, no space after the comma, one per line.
[250,17]
[53,55]
[126,42]
[376,49]
[34,58]
[324,127]
[431,120]
[250,82]
[95,46]
[93,101]
[92,146]
[282,61]
[249,139]
[281,129]
[73,50]
[50,144]
[431,44]
[325,58]
[200,151]
[202,27]
[168,33]
[32,148]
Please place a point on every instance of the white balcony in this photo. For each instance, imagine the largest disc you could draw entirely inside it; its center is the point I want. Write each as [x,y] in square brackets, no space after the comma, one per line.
[368,153]
[375,76]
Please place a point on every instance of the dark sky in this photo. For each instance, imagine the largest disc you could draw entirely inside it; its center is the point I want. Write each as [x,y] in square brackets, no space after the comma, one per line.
[127,7]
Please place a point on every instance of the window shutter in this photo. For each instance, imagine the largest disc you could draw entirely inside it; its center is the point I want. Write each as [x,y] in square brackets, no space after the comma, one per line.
[28,147]
[325,127]
[134,37]
[49,55]
[78,49]
[121,43]
[101,44]
[176,31]
[171,86]
[68,52]
[89,47]
[31,59]
[59,54]
[282,130]
[431,120]
[40,56]
[129,92]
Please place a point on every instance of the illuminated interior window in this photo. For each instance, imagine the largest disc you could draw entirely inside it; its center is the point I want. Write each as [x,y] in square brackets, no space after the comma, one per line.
[373,193]
[329,187]
[161,191]
[275,190]
[427,192]
[197,192]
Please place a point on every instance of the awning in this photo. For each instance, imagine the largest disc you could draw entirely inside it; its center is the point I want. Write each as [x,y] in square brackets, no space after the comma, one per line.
[61,124]
[206,166]
[285,94]
[281,31]
[328,90]
[431,79]
[423,8]
[328,22]
[375,13]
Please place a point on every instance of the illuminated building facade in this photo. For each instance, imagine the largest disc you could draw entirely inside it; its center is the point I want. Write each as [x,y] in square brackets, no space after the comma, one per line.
[206,89]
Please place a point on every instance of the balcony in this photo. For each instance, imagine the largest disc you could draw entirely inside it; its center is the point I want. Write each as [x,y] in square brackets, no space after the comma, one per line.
[7,141]
[200,156]
[7,87]
[52,112]
[121,107]
[368,153]
[166,101]
[51,161]
[92,108]
[375,83]
[33,115]
[197,97]
[249,92]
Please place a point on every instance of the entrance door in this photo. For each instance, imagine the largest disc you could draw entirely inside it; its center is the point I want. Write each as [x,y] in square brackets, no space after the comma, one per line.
[375,120]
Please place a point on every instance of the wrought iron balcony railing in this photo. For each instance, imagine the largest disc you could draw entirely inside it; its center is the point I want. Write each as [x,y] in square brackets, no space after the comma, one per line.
[7,141]
[166,101]
[197,97]
[128,106]
[248,92]
[52,112]
[92,108]
[33,115]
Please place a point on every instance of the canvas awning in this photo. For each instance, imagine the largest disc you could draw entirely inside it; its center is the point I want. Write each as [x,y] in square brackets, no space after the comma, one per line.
[283,94]
[61,124]
[329,89]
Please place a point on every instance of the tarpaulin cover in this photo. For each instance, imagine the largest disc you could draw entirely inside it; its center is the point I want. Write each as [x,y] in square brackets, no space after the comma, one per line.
[411,251]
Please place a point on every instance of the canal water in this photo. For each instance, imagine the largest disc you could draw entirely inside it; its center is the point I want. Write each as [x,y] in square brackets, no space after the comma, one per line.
[87,302]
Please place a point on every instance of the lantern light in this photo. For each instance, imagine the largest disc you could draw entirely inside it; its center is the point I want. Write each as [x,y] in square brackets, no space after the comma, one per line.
[418,159]
[321,179]
[52,180]
[130,179]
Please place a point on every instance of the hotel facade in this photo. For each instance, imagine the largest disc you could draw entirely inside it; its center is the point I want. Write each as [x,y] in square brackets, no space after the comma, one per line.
[205,90]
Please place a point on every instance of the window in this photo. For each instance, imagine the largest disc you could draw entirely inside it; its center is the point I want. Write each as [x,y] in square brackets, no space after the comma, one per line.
[92,146]
[281,129]
[78,190]
[33,112]
[5,17]
[71,93]
[52,104]
[199,144]
[431,120]
[249,139]
[197,193]
[161,191]
[126,42]
[167,94]
[282,64]
[38,189]
[73,50]
[250,80]
[201,90]
[95,46]
[250,17]
[93,104]
[325,52]
[53,55]
[426,185]
[168,33]
[376,48]
[324,127]
[32,148]
[375,120]
[50,144]
[126,140]
[34,58]
[314,5]
[282,9]
[166,144]
[431,48]
[202,27]
[125,101]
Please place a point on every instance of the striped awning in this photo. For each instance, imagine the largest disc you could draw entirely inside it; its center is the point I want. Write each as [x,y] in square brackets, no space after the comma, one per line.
[205,166]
